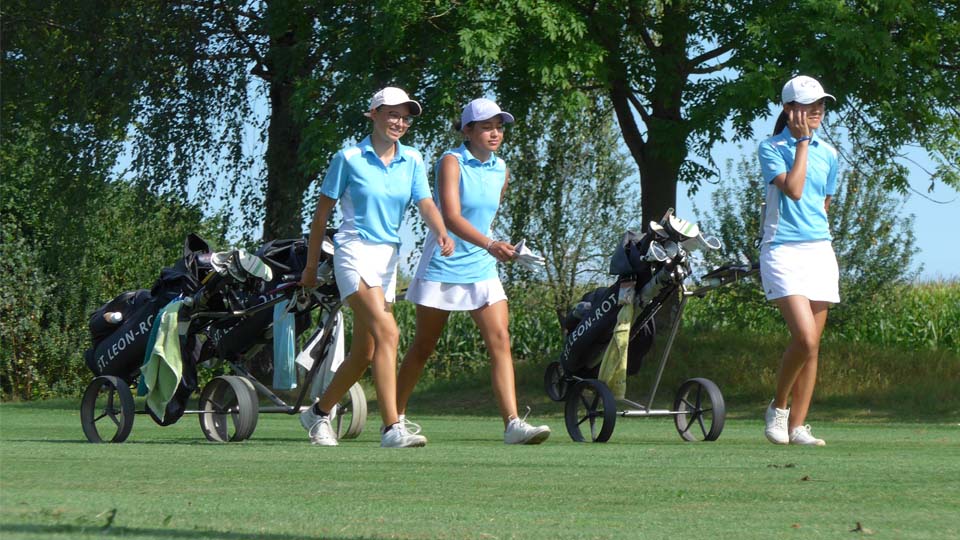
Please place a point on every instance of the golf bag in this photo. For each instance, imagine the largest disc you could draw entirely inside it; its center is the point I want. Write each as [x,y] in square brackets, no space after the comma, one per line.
[119,349]
[230,338]
[589,325]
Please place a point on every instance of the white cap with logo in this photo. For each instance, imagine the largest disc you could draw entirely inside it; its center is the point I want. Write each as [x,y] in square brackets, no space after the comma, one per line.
[393,96]
[482,109]
[804,90]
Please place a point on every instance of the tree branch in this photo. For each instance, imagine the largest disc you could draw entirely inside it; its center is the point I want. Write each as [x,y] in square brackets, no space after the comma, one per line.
[709,55]
[709,69]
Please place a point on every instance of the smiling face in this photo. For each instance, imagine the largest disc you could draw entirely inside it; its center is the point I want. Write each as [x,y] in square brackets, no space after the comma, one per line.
[485,135]
[814,111]
[390,122]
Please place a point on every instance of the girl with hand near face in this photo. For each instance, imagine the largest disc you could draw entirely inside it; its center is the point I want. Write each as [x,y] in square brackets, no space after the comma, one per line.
[798,267]
[374,181]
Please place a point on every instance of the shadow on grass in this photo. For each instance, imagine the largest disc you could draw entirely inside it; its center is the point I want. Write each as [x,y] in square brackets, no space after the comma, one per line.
[44,531]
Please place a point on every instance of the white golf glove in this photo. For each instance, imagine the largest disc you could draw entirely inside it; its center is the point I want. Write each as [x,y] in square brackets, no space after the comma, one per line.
[529,260]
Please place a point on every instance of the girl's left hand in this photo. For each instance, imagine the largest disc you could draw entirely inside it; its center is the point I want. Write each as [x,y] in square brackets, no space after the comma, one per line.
[446,245]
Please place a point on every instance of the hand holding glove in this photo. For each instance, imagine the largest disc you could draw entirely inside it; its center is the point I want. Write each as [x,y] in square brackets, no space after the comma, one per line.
[530,260]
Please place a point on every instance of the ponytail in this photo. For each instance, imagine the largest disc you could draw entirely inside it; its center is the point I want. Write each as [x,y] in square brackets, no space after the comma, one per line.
[781,123]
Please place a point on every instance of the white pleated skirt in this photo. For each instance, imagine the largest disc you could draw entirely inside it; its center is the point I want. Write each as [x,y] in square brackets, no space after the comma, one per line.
[806,269]
[357,259]
[456,296]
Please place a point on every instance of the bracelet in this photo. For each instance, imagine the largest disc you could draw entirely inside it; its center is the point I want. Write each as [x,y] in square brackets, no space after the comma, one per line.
[801,139]
[490,244]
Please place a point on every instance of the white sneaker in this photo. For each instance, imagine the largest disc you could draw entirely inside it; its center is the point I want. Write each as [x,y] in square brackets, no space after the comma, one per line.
[520,432]
[412,428]
[776,430]
[318,427]
[801,435]
[398,437]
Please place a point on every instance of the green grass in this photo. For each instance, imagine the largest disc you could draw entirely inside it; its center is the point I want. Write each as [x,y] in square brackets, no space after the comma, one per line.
[899,480]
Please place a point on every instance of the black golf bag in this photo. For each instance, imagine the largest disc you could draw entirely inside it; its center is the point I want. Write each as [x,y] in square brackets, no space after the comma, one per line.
[119,349]
[588,327]
[230,338]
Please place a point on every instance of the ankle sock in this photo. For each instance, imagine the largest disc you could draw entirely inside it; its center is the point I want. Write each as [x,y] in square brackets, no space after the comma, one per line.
[317,411]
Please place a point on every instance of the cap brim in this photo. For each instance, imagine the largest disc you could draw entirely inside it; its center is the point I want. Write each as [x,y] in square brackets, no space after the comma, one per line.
[415,108]
[816,99]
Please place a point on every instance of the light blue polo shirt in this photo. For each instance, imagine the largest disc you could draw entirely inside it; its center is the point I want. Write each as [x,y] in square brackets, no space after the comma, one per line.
[480,186]
[805,220]
[373,196]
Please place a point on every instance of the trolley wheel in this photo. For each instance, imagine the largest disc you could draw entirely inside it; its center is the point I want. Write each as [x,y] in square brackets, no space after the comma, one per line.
[351,413]
[229,409]
[591,402]
[701,410]
[107,410]
[555,383]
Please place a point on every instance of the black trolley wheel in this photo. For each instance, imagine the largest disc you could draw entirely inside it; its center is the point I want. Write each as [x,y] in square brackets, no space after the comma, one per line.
[590,402]
[555,383]
[700,409]
[107,410]
[229,409]
[351,413]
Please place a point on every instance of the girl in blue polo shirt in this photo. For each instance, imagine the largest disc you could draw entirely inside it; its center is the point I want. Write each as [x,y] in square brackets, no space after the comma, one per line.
[798,267]
[471,182]
[375,181]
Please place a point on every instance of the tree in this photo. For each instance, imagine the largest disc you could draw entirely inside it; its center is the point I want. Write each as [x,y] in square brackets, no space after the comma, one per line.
[177,81]
[682,75]
[571,197]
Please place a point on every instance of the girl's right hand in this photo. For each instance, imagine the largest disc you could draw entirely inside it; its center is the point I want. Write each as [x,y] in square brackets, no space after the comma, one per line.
[309,278]
[797,121]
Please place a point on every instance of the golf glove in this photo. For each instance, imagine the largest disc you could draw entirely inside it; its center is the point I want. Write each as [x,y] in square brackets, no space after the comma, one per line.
[529,260]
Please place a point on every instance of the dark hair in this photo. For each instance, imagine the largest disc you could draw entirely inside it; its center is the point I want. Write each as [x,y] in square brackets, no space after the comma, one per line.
[781,122]
[458,127]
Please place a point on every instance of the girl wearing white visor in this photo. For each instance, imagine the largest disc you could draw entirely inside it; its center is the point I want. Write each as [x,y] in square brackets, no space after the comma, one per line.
[375,181]
[471,182]
[798,267]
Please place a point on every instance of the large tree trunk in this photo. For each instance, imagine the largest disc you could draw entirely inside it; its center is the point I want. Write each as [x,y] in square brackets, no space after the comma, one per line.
[286,63]
[285,179]
[659,157]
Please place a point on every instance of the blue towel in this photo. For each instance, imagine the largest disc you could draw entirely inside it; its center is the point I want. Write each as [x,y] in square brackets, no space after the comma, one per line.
[284,369]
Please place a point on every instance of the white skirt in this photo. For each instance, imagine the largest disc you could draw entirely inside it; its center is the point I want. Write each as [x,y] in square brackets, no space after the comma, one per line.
[806,269]
[456,296]
[374,263]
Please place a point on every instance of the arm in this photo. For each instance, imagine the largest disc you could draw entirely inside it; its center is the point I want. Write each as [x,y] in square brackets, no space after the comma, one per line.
[318,228]
[826,203]
[791,183]
[431,216]
[450,202]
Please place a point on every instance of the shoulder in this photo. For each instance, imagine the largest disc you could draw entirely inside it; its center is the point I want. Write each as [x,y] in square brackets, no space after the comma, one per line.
[349,153]
[773,142]
[827,147]
[408,152]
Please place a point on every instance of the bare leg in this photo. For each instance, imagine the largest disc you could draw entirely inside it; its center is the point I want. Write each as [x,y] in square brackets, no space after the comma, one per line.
[430,324]
[802,392]
[798,366]
[375,339]
[493,322]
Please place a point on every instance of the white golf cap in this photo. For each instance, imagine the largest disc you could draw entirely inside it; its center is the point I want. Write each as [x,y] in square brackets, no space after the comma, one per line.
[804,90]
[394,96]
[482,109]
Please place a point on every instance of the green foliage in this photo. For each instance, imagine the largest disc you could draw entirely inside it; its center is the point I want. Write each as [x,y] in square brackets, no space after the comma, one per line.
[570,196]
[71,241]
